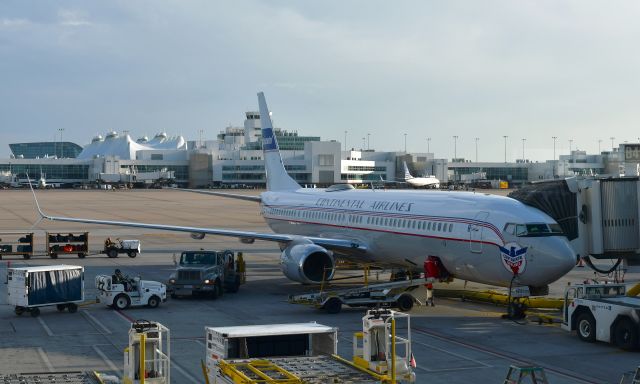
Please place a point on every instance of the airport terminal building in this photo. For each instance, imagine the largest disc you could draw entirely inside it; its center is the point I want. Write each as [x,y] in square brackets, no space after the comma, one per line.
[234,159]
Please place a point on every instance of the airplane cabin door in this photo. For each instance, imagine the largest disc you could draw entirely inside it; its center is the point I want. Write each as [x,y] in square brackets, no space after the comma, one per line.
[475,233]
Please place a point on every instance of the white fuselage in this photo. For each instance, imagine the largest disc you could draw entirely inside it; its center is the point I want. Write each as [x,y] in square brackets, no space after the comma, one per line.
[420,182]
[402,228]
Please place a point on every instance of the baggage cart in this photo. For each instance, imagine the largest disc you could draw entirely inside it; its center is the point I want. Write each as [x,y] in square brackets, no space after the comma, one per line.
[29,288]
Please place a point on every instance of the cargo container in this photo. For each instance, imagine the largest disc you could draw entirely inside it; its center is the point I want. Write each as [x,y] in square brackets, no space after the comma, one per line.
[29,288]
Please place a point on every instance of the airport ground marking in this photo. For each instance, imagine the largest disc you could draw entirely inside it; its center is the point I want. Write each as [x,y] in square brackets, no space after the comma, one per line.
[45,359]
[108,361]
[46,327]
[98,323]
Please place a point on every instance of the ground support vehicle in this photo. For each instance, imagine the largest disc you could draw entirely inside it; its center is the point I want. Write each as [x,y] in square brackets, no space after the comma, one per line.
[602,312]
[16,243]
[307,352]
[113,249]
[70,243]
[207,272]
[122,292]
[147,357]
[29,288]
[396,294]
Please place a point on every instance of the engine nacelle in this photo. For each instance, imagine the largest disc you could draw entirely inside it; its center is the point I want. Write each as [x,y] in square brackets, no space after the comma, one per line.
[197,235]
[307,263]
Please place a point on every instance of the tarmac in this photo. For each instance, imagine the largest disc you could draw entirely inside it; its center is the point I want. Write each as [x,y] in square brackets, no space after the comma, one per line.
[453,342]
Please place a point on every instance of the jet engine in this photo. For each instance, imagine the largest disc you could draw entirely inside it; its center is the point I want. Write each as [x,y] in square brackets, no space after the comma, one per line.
[307,263]
[197,235]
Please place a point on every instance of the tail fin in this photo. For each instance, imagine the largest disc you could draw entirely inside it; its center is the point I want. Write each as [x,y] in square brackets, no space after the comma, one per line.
[277,177]
[407,175]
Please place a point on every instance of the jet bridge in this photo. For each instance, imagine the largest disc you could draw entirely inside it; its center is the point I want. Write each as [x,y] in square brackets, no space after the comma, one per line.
[600,216]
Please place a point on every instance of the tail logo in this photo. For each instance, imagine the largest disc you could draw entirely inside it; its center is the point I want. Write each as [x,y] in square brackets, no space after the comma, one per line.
[268,142]
[514,257]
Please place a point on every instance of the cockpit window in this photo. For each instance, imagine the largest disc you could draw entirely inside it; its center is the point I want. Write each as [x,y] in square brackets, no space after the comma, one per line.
[533,229]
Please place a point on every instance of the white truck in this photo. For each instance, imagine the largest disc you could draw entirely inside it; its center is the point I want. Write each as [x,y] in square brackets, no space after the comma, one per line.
[121,292]
[602,312]
[29,288]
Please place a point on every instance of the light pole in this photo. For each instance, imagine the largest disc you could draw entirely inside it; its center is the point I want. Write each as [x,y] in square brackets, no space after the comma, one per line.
[554,146]
[368,136]
[455,147]
[428,142]
[363,142]
[61,145]
[405,143]
[477,138]
[570,150]
[599,142]
[505,148]
[345,141]
[200,132]
[523,140]
[612,138]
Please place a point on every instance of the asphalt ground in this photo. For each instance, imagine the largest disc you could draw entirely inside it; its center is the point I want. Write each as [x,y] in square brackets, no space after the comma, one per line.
[453,342]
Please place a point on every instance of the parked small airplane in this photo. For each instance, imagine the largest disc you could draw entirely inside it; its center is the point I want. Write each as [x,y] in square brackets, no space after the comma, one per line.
[420,182]
[476,237]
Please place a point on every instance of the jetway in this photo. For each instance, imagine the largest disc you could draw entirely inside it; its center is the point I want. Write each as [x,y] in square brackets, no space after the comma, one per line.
[600,216]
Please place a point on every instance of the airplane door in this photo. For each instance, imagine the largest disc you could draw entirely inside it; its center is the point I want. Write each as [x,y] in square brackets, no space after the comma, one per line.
[475,233]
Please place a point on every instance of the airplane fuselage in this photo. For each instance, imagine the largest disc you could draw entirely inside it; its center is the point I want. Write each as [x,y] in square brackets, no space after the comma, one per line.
[465,230]
[420,182]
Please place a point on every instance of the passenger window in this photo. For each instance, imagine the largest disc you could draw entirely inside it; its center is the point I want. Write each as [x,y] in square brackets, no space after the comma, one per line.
[439,226]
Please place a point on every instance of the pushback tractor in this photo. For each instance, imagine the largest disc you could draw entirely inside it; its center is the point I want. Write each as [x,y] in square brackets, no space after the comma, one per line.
[602,312]
[120,292]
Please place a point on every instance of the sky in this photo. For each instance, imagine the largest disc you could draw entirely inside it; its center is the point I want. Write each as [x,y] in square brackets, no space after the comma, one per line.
[428,69]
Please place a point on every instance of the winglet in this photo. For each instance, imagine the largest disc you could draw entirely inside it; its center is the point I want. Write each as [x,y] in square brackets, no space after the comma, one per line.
[42,215]
[277,177]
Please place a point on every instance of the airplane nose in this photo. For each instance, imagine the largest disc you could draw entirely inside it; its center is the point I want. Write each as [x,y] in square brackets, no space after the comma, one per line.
[553,259]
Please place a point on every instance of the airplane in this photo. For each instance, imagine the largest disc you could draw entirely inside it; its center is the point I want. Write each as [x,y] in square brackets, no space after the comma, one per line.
[419,182]
[476,237]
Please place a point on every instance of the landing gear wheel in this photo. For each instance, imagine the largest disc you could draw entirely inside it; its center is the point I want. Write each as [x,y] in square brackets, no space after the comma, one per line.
[72,307]
[132,254]
[19,311]
[81,255]
[54,255]
[625,334]
[122,301]
[154,301]
[333,305]
[174,296]
[35,312]
[405,303]
[26,257]
[112,253]
[586,326]
[61,307]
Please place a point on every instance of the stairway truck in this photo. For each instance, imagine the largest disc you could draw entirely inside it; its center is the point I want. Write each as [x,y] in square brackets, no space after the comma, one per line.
[120,292]
[602,312]
[29,288]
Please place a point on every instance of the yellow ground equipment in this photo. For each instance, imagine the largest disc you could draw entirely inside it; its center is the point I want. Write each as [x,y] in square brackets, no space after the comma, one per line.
[146,359]
[307,353]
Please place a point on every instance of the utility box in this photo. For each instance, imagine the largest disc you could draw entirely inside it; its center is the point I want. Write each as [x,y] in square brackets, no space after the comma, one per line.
[31,287]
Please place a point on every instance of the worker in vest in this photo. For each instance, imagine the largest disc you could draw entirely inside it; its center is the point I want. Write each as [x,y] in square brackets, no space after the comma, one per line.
[431,273]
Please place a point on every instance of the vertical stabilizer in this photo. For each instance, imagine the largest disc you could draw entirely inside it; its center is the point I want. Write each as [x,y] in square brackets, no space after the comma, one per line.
[407,175]
[277,177]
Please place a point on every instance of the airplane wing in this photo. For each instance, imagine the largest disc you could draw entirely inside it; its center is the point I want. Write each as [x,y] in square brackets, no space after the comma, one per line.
[340,245]
[225,194]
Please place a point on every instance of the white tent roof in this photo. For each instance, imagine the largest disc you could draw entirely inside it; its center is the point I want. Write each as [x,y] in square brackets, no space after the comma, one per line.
[125,148]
